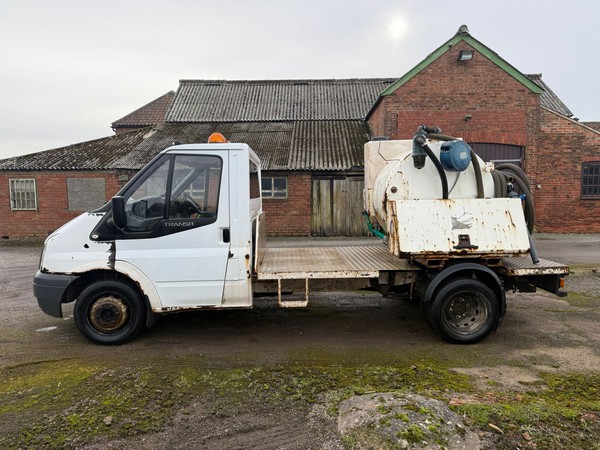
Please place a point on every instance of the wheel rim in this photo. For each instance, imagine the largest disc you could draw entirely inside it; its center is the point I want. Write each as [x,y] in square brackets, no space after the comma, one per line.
[108,314]
[465,312]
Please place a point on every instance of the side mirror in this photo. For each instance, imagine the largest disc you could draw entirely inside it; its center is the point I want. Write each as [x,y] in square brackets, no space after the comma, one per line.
[118,212]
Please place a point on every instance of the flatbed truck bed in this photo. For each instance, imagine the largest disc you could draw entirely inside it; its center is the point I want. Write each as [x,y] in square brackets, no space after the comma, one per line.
[284,264]
[365,261]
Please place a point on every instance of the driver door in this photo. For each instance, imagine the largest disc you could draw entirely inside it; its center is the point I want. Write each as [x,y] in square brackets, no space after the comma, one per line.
[177,229]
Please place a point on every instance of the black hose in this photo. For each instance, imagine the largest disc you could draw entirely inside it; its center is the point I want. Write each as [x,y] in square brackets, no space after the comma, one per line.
[440,169]
[514,172]
[427,129]
[532,251]
[501,187]
[421,140]
[529,209]
[497,190]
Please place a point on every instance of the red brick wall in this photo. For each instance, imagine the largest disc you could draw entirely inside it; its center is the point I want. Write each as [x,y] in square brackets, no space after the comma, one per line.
[448,91]
[377,121]
[52,201]
[564,145]
[290,216]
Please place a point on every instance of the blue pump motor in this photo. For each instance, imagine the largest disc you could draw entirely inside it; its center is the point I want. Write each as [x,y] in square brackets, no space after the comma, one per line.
[455,156]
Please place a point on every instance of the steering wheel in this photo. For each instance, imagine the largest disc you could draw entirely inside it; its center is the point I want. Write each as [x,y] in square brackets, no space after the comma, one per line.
[194,205]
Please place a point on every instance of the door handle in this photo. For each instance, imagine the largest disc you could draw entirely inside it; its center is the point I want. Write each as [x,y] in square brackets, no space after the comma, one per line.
[226,235]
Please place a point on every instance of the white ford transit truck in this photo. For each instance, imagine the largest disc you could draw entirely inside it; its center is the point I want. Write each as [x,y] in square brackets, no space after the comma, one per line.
[188,233]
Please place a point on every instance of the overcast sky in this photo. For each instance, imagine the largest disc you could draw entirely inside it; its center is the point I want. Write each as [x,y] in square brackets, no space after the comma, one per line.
[69,68]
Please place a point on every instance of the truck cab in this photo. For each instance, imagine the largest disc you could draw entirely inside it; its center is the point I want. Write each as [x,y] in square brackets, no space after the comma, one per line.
[178,236]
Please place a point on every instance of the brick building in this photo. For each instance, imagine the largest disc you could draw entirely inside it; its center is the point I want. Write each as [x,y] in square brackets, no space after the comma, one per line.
[310,134]
[469,90]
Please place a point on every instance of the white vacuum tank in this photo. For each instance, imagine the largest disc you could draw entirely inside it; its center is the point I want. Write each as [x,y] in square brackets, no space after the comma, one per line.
[408,205]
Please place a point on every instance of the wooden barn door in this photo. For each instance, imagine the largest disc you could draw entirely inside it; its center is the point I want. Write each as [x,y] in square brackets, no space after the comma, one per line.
[337,206]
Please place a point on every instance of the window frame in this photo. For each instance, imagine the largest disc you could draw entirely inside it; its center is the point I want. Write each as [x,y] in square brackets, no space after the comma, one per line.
[269,194]
[596,177]
[12,190]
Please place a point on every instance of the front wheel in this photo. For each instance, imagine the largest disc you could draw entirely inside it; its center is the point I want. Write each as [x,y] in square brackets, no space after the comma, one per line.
[109,312]
[464,311]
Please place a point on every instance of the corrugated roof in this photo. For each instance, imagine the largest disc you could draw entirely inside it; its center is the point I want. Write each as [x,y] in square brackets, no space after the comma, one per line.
[300,145]
[328,145]
[91,155]
[149,114]
[548,98]
[274,100]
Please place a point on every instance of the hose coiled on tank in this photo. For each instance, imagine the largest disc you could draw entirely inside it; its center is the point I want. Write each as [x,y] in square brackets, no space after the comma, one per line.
[506,175]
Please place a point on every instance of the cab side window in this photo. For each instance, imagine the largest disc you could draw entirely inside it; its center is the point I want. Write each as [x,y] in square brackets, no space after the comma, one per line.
[195,187]
[145,206]
[180,187]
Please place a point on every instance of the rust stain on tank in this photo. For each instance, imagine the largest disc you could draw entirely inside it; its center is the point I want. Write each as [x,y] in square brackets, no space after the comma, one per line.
[393,236]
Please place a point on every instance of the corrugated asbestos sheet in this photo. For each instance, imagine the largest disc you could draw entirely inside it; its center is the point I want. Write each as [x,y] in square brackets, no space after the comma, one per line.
[303,145]
[548,98]
[330,145]
[275,100]
[91,155]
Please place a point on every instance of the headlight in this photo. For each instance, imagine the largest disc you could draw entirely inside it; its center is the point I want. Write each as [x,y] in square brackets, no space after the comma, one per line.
[42,256]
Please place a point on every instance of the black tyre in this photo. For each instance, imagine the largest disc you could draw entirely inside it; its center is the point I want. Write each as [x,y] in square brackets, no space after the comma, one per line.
[109,312]
[464,311]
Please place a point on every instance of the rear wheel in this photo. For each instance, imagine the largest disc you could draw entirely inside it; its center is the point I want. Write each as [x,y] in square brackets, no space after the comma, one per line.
[464,311]
[109,312]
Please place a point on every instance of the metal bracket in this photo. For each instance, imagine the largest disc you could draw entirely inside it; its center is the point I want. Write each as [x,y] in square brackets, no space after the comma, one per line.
[464,242]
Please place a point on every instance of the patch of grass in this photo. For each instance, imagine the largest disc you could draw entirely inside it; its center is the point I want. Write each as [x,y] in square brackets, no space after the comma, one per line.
[582,300]
[577,269]
[27,387]
[66,404]
[349,442]
[414,434]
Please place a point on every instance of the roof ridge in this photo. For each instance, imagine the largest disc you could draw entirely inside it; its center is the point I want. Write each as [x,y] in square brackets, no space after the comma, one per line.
[289,80]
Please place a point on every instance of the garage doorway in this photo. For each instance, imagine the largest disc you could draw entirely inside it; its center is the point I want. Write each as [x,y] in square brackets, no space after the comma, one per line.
[498,153]
[337,205]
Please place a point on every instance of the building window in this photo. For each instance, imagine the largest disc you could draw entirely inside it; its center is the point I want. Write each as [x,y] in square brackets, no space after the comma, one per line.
[274,187]
[23,194]
[590,180]
[85,194]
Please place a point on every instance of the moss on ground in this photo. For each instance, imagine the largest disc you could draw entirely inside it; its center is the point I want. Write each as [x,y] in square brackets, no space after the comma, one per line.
[565,414]
[582,300]
[67,404]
